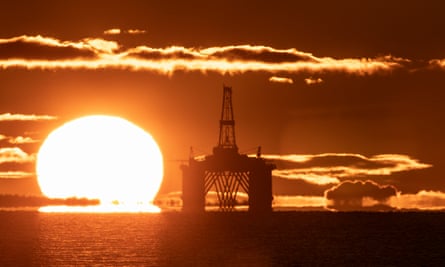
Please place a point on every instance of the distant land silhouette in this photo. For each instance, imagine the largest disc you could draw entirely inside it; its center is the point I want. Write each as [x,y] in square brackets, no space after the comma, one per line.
[15,201]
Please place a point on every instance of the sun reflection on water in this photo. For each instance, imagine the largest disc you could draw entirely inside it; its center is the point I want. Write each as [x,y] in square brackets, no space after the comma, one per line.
[104,208]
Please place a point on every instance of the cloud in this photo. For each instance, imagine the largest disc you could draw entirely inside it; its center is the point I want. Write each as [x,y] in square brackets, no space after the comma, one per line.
[39,52]
[116,31]
[136,31]
[276,79]
[15,174]
[18,139]
[298,201]
[351,190]
[331,168]
[308,175]
[358,195]
[258,53]
[349,195]
[22,140]
[101,46]
[24,51]
[311,81]
[15,155]
[25,117]
[437,63]
[172,53]
[112,31]
[422,200]
[174,199]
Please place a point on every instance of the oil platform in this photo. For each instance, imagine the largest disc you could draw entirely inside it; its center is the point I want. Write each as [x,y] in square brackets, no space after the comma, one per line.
[227,172]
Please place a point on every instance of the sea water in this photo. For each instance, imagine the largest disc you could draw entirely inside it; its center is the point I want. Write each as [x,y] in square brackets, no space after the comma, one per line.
[222,239]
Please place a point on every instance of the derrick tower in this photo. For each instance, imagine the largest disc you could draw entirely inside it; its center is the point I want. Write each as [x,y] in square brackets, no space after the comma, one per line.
[226,172]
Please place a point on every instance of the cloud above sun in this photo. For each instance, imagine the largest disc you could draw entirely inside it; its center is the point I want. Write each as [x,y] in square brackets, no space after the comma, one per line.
[41,52]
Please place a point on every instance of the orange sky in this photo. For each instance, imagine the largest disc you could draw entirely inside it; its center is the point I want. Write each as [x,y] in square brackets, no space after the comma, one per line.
[333,92]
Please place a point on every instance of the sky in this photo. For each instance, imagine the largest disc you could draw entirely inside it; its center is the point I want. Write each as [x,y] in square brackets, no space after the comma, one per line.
[345,97]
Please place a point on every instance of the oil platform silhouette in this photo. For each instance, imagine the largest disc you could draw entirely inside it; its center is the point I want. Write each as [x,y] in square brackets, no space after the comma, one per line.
[227,172]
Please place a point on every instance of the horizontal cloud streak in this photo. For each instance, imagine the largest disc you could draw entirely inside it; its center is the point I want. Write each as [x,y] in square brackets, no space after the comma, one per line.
[25,117]
[439,63]
[136,31]
[22,140]
[276,79]
[15,140]
[40,48]
[93,53]
[349,195]
[112,31]
[329,168]
[311,176]
[359,195]
[298,201]
[116,31]
[422,200]
[15,174]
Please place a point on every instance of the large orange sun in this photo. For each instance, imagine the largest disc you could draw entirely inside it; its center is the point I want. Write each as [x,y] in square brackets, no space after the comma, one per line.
[100,157]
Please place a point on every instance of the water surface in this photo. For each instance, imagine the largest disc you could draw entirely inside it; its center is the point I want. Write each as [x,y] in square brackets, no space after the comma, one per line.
[222,239]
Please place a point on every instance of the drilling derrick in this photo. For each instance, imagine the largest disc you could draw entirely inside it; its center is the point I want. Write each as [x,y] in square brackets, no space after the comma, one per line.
[226,173]
[227,141]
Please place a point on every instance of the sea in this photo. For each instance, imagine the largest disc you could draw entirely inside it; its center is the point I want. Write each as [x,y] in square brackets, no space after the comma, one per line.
[288,238]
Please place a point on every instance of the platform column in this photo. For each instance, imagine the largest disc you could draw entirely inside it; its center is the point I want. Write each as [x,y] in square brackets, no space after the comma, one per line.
[193,193]
[260,189]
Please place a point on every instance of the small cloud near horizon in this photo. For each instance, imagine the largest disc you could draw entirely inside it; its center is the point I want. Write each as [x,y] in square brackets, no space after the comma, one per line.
[352,194]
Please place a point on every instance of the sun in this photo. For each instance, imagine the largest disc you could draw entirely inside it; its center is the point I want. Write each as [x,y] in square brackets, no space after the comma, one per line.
[100,157]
